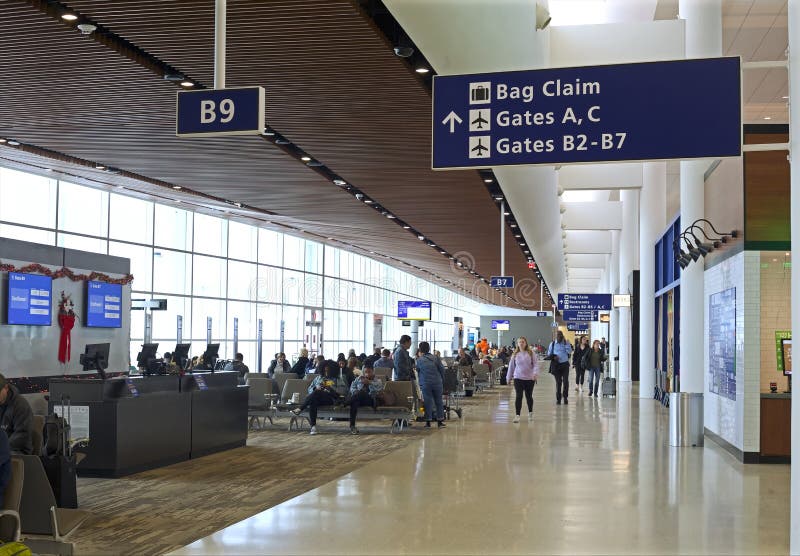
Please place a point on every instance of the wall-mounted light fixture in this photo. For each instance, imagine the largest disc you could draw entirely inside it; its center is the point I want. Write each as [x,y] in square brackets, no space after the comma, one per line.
[695,247]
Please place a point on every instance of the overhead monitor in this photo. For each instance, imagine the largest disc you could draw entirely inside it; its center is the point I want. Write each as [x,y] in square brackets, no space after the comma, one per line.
[414,310]
[103,305]
[147,354]
[501,325]
[30,299]
[95,358]
[786,348]
[621,300]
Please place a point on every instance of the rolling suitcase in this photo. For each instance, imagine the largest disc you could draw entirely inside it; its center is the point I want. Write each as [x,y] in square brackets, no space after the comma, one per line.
[58,460]
[609,387]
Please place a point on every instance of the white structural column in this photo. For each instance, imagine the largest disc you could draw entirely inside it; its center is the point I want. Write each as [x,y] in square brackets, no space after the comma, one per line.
[703,38]
[628,262]
[613,283]
[794,99]
[652,220]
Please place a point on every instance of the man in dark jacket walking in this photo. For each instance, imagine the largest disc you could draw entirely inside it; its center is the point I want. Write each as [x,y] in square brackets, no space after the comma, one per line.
[16,418]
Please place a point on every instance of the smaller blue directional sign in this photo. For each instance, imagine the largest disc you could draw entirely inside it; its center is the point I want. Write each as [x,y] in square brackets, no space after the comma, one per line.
[579,315]
[584,301]
[501,325]
[544,314]
[616,112]
[215,112]
[502,281]
[582,327]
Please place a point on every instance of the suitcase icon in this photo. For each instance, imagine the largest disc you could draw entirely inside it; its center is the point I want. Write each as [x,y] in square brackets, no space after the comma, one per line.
[480,93]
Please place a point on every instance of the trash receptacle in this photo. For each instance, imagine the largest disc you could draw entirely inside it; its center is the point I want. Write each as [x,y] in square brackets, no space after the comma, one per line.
[686,419]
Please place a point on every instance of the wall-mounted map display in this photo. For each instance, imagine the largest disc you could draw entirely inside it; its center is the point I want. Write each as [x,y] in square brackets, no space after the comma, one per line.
[722,343]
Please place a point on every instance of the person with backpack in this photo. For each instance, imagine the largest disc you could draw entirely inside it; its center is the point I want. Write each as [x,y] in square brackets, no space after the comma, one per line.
[593,360]
[523,369]
[559,353]
[581,348]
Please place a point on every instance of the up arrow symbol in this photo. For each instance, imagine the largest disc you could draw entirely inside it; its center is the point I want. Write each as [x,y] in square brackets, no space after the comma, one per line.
[452,119]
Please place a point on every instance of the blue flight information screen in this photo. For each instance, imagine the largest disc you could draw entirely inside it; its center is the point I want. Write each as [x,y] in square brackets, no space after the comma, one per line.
[104,305]
[414,310]
[29,299]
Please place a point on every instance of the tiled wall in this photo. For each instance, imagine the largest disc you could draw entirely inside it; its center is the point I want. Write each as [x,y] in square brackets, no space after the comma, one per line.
[737,420]
[775,273]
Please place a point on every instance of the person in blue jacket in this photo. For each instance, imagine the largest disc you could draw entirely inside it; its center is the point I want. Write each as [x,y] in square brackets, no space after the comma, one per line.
[560,350]
[430,373]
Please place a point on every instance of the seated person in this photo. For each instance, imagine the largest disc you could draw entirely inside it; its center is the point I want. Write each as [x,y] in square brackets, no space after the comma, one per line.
[316,368]
[362,392]
[350,370]
[376,354]
[463,358]
[321,392]
[299,367]
[385,361]
[5,465]
[16,418]
[238,365]
[279,365]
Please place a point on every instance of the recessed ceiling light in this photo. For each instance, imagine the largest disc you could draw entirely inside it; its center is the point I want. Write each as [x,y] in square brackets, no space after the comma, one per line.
[785,97]
[238,205]
[406,227]
[517,235]
[99,167]
[488,180]
[305,158]
[767,117]
[69,17]
[422,70]
[498,198]
[522,245]
[13,143]
[330,238]
[507,213]
[2,140]
[188,84]
[420,238]
[443,253]
[369,201]
[391,216]
[177,187]
[339,182]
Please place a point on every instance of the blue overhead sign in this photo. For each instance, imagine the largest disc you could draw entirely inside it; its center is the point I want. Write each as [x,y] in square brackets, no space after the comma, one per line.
[579,316]
[544,314]
[647,111]
[584,301]
[215,112]
[502,281]
[578,327]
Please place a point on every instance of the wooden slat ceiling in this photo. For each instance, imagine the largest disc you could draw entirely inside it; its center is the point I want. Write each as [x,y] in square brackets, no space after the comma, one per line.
[334,88]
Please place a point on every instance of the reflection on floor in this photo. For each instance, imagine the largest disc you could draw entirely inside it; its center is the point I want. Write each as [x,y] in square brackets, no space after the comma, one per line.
[591,477]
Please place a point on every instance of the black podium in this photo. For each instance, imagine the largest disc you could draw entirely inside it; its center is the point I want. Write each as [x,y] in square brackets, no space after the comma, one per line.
[141,423]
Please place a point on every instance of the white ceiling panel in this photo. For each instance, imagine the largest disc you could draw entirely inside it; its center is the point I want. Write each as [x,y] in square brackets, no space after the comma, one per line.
[586,260]
[585,273]
[592,216]
[584,241]
[601,176]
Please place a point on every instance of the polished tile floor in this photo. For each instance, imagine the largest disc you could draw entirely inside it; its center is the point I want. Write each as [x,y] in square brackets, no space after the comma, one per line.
[593,477]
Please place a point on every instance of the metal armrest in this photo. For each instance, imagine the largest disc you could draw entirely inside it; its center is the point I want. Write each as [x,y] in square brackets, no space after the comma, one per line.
[15,515]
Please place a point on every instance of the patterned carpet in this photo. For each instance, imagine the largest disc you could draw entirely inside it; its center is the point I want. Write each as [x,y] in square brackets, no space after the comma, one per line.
[164,509]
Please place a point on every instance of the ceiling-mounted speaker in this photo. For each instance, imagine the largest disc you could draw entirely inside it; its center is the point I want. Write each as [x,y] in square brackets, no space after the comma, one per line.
[542,17]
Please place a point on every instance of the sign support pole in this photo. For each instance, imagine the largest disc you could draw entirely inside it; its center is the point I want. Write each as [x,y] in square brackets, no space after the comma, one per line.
[220,43]
[502,256]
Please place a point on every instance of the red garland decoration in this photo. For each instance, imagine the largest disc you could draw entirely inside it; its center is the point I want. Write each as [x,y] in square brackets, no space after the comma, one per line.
[64,272]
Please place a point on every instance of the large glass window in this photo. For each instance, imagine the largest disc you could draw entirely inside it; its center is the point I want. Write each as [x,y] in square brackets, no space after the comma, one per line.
[82,210]
[173,228]
[210,276]
[172,272]
[211,267]
[27,199]
[131,219]
[243,241]
[210,235]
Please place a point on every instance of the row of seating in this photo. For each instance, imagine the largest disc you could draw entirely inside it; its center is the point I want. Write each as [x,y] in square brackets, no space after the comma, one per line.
[30,513]
[267,404]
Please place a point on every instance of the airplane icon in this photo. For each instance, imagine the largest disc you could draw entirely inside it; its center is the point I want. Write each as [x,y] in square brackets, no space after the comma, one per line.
[478,146]
[479,120]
